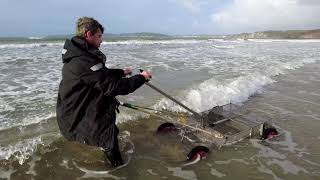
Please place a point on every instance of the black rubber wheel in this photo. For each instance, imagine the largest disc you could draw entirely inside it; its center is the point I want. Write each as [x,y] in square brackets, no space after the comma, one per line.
[166,128]
[202,151]
[269,133]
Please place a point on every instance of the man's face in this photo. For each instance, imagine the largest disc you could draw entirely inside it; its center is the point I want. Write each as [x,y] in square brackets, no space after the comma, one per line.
[94,39]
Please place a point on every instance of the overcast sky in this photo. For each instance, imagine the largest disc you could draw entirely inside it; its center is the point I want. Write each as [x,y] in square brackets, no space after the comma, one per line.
[53,17]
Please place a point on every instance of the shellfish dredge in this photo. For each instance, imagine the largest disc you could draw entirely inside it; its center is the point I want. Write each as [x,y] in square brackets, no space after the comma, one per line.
[216,127]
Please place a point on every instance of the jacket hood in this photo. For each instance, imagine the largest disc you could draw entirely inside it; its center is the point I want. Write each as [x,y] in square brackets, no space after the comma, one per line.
[77,46]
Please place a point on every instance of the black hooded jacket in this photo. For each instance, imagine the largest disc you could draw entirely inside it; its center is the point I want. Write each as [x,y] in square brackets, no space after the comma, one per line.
[86,102]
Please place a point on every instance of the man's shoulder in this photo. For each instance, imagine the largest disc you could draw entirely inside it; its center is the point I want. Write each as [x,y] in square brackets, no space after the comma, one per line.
[83,61]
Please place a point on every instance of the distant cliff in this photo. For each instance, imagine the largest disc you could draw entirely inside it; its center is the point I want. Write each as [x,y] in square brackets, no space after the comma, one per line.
[291,34]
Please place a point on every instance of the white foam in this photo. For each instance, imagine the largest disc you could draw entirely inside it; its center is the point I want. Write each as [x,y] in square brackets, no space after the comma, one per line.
[223,47]
[4,106]
[216,173]
[277,158]
[29,45]
[126,116]
[231,160]
[267,40]
[37,118]
[184,174]
[264,169]
[288,144]
[287,166]
[212,92]
[286,40]
[65,164]
[265,151]
[150,42]
[33,119]
[32,165]
[231,41]
[278,68]
[150,171]
[35,37]
[21,151]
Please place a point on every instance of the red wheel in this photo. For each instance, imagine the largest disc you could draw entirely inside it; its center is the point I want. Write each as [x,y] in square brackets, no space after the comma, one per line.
[269,133]
[272,135]
[200,151]
[166,128]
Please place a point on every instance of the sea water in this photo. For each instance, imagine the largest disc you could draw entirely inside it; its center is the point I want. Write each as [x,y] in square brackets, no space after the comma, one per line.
[275,78]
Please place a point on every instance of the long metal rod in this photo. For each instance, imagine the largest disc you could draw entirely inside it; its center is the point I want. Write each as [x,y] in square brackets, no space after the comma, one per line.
[174,100]
[151,109]
[155,110]
[214,133]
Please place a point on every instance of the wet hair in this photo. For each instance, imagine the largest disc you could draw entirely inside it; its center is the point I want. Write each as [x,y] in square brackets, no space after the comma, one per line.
[85,24]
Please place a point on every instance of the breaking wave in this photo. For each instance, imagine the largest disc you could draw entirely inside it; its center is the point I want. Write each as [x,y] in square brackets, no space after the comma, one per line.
[212,92]
[20,151]
[29,45]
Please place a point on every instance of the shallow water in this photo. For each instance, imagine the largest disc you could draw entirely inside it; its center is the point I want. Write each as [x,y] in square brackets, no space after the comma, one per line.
[278,79]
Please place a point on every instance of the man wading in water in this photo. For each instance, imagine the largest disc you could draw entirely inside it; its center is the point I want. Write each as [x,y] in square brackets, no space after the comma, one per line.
[86,105]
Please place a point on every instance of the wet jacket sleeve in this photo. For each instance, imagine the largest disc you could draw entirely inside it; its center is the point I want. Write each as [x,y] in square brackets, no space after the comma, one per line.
[125,85]
[111,84]
[117,72]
